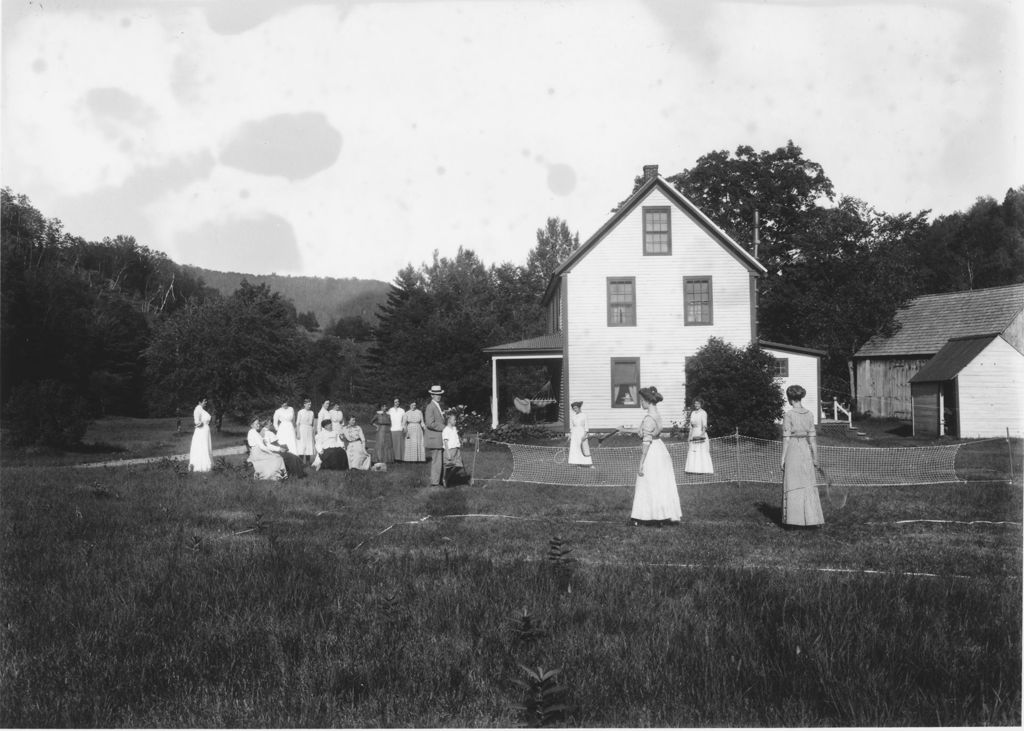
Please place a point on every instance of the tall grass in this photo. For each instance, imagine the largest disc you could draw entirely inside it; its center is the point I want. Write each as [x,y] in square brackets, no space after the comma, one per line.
[149,597]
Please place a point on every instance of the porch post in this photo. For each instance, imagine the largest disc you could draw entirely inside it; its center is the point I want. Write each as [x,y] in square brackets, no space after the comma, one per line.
[494,392]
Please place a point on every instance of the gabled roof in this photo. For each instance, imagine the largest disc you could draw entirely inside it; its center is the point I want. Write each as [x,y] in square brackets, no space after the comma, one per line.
[953,358]
[545,344]
[627,207]
[928,322]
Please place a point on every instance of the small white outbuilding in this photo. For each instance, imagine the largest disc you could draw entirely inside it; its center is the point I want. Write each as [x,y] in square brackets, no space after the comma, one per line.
[972,388]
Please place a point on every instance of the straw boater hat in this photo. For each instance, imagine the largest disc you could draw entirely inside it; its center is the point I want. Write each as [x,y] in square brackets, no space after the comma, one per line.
[577,403]
[436,391]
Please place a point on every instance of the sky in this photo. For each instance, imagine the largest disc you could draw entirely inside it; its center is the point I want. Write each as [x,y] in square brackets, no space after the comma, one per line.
[353,138]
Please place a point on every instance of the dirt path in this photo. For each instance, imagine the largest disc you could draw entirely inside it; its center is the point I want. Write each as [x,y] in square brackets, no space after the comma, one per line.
[222,452]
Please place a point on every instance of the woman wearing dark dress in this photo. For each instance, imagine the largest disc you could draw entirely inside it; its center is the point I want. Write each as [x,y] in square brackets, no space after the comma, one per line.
[382,420]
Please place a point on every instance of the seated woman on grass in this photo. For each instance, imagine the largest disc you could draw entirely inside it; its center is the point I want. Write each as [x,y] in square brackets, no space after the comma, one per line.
[292,462]
[355,446]
[330,448]
[264,456]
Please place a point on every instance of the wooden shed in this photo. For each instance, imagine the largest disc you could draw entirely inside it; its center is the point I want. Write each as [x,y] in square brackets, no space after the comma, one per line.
[885,366]
[972,388]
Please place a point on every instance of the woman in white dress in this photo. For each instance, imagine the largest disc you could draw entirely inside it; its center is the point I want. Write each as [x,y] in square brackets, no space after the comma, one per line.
[323,415]
[579,432]
[304,427]
[284,425]
[698,455]
[264,457]
[355,446]
[337,417]
[656,497]
[200,456]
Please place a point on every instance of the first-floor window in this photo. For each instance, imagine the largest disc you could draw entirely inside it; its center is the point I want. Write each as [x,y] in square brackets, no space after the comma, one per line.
[781,368]
[625,382]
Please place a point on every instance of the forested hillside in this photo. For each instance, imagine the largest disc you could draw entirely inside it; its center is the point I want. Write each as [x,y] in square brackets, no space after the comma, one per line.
[328,298]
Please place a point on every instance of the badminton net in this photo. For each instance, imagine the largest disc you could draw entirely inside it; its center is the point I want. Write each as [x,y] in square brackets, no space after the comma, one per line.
[739,459]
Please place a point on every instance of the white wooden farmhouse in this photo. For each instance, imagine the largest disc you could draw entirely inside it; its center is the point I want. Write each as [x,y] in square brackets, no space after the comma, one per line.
[641,295]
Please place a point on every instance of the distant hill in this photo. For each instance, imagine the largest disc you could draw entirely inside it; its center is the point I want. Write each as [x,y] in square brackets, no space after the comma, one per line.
[328,298]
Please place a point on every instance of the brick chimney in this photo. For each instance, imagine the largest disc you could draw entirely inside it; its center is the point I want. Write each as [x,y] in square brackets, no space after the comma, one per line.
[650,171]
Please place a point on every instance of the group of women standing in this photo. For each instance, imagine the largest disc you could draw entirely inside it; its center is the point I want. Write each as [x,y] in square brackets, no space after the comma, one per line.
[400,433]
[698,455]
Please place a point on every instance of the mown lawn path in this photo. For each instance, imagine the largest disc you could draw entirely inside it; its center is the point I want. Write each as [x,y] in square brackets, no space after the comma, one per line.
[222,452]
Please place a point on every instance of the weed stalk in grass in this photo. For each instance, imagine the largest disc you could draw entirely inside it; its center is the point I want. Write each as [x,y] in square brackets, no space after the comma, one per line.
[562,565]
[544,699]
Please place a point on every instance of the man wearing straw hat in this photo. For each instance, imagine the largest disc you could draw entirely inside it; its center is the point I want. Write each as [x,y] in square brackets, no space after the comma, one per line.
[433,420]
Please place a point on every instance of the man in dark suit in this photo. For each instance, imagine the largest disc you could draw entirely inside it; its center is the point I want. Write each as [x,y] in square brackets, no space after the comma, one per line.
[433,420]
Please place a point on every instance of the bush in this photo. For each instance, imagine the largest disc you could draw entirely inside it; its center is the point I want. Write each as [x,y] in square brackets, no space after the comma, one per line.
[466,420]
[520,433]
[48,413]
[737,387]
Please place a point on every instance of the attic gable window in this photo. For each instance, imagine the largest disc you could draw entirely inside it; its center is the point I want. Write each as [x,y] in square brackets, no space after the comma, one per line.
[657,231]
[697,301]
[621,301]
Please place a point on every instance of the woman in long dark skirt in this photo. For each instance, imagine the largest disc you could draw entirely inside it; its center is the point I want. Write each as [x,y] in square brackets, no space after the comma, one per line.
[382,420]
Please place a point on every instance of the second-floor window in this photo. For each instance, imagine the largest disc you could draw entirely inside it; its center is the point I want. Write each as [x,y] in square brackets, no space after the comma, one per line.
[697,301]
[657,231]
[621,301]
[781,369]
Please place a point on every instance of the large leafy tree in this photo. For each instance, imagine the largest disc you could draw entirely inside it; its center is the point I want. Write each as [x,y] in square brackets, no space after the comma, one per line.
[852,268]
[781,185]
[439,317]
[982,247]
[242,352]
[738,388]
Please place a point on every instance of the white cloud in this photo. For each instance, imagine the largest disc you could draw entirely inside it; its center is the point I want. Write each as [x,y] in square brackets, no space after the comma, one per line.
[469,123]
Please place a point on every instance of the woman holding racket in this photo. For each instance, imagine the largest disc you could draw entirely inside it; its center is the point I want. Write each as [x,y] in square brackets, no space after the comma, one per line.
[579,432]
[698,454]
[801,505]
[656,498]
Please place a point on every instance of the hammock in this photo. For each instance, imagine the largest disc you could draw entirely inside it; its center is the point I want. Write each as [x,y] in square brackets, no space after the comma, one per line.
[540,399]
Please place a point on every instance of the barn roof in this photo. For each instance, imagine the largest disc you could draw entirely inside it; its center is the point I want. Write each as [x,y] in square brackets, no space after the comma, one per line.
[925,324]
[545,344]
[953,358]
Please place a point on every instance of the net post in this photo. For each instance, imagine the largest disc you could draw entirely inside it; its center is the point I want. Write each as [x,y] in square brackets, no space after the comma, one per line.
[736,456]
[1009,448]
[476,451]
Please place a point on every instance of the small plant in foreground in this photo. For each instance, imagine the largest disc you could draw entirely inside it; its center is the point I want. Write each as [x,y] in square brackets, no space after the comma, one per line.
[561,564]
[525,630]
[544,699]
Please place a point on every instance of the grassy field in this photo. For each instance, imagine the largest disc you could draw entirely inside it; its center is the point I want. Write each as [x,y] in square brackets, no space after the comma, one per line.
[145,596]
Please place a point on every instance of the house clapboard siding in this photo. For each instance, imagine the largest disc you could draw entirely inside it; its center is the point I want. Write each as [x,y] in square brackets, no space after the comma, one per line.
[803,371]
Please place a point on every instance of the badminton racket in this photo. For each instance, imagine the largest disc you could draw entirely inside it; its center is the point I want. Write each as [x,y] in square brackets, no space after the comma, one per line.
[836,495]
[599,441]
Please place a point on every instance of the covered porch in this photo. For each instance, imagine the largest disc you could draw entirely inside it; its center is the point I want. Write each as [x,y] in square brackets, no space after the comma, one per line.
[531,371]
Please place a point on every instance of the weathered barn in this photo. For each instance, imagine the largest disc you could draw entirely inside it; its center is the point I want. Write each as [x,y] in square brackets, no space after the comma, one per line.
[885,365]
